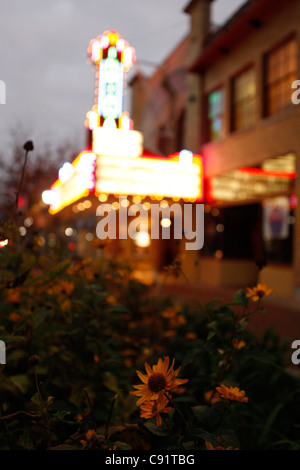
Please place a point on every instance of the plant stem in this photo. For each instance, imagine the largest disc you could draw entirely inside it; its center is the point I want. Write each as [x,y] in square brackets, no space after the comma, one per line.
[109,416]
[21,181]
[178,411]
[90,406]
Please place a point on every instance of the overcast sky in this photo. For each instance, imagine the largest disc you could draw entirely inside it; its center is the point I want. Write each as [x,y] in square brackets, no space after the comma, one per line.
[43,58]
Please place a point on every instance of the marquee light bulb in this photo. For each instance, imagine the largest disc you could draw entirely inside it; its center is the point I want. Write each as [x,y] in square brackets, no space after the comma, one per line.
[65,172]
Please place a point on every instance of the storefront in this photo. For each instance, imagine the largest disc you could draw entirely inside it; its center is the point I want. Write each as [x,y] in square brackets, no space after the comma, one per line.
[249,222]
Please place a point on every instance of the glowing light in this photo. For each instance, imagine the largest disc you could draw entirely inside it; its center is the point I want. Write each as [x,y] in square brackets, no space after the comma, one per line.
[89,237]
[142,239]
[28,221]
[128,57]
[165,222]
[87,204]
[151,176]
[117,165]
[147,205]
[125,203]
[268,173]
[81,207]
[117,142]
[65,172]
[136,200]
[49,197]
[41,241]
[96,51]
[219,254]
[113,37]
[293,201]
[103,197]
[220,228]
[69,231]
[120,45]
[125,122]
[113,56]
[92,119]
[3,243]
[186,157]
[104,42]
[215,212]
[79,185]
[22,231]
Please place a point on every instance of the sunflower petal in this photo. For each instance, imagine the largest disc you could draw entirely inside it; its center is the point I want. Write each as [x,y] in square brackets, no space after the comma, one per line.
[143,377]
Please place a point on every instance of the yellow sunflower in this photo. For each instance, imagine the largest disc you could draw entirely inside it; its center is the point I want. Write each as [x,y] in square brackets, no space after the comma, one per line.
[259,291]
[151,409]
[232,393]
[238,344]
[157,380]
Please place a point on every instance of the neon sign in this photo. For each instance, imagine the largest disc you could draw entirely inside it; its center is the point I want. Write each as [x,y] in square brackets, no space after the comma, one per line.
[74,183]
[111,55]
[167,177]
[117,163]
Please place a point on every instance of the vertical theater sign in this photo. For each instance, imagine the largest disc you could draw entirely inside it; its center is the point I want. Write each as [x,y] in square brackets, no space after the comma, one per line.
[117,165]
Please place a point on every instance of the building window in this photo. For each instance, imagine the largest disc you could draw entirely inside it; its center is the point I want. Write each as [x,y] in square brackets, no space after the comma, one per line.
[280,72]
[244,91]
[216,115]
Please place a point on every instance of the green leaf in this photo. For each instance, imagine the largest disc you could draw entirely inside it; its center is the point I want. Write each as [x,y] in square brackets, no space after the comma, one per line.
[110,382]
[206,415]
[205,435]
[21,382]
[240,298]
[18,280]
[270,421]
[157,430]
[210,335]
[36,399]
[59,269]
[26,441]
[242,324]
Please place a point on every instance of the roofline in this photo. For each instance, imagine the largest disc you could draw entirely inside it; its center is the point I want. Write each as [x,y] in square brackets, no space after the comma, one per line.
[242,22]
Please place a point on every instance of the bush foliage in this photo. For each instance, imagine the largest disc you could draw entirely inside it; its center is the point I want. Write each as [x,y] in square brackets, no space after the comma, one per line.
[76,332]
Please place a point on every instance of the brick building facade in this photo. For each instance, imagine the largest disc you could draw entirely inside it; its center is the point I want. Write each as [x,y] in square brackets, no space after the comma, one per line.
[227,94]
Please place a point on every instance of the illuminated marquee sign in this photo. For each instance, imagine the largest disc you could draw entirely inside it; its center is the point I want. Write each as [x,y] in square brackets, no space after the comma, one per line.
[117,142]
[117,164]
[76,180]
[169,177]
[111,56]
